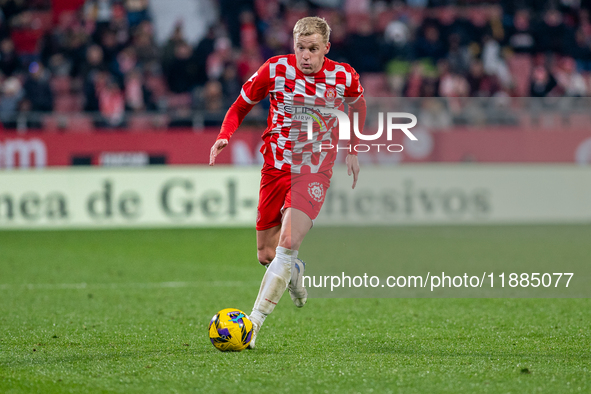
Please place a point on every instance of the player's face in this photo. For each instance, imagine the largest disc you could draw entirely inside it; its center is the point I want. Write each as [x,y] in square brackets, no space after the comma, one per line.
[310,51]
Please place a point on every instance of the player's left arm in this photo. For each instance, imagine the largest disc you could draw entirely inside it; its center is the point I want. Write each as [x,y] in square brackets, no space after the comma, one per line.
[357,105]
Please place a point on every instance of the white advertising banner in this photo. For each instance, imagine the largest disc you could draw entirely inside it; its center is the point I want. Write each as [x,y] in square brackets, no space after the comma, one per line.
[129,197]
[201,196]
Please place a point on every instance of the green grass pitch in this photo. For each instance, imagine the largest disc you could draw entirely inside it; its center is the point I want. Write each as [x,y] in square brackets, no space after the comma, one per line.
[127,311]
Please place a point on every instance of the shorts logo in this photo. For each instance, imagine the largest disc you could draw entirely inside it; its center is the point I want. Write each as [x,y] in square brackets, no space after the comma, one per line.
[316,191]
[258,216]
[330,94]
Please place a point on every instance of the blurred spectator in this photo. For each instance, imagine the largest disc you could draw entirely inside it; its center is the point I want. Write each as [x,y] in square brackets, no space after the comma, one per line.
[444,78]
[248,31]
[144,45]
[214,66]
[93,62]
[177,37]
[137,96]
[458,25]
[542,82]
[180,75]
[90,70]
[212,97]
[434,115]
[363,50]
[248,63]
[430,45]
[112,41]
[481,84]
[277,40]
[94,82]
[59,65]
[9,60]
[231,85]
[552,32]
[12,8]
[137,12]
[12,94]
[458,56]
[570,80]
[397,37]
[119,24]
[454,85]
[520,37]
[581,50]
[125,62]
[110,46]
[112,104]
[37,89]
[76,51]
[414,81]
[100,11]
[493,62]
[200,54]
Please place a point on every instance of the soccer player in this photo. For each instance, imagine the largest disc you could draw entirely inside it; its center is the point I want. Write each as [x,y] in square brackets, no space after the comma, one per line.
[297,172]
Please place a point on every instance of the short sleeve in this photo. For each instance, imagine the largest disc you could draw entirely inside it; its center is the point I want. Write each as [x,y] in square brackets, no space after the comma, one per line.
[258,85]
[354,91]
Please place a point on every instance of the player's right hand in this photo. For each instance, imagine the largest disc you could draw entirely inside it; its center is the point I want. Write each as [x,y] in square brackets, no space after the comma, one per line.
[216,149]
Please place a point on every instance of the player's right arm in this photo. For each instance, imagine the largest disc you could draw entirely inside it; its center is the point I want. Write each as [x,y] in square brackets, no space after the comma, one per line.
[253,91]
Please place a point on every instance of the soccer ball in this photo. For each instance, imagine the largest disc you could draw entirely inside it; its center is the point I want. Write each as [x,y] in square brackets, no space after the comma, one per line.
[230,330]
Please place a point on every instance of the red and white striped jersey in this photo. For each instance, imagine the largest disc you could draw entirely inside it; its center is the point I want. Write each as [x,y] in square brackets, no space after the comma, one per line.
[285,140]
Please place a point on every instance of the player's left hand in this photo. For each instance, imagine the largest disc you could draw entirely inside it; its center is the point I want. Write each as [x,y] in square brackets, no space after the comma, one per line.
[353,168]
[216,149]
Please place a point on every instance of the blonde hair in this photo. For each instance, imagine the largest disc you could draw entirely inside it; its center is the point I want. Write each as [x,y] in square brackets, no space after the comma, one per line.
[312,25]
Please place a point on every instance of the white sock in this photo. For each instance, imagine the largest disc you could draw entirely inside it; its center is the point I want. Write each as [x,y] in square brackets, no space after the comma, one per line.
[273,285]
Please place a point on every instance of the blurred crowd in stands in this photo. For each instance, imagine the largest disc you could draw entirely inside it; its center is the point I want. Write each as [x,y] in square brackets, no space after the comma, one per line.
[103,57]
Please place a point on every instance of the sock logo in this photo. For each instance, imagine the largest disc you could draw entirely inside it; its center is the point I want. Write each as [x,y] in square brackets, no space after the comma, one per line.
[316,191]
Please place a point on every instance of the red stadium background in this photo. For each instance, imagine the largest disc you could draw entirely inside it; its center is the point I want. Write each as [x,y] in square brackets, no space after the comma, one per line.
[181,147]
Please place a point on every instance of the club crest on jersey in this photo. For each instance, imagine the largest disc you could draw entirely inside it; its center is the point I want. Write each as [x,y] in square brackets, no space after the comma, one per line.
[330,93]
[316,191]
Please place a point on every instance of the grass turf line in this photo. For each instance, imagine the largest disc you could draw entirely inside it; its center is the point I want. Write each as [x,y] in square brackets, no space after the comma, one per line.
[114,336]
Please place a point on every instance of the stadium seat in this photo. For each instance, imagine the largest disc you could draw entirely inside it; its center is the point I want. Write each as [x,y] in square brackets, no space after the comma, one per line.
[61,84]
[80,123]
[26,40]
[520,66]
[374,84]
[147,122]
[68,103]
[42,20]
[71,123]
[157,85]
[180,100]
[383,19]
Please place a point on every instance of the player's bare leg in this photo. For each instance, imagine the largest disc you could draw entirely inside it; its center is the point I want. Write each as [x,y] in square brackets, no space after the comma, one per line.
[267,241]
[295,226]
